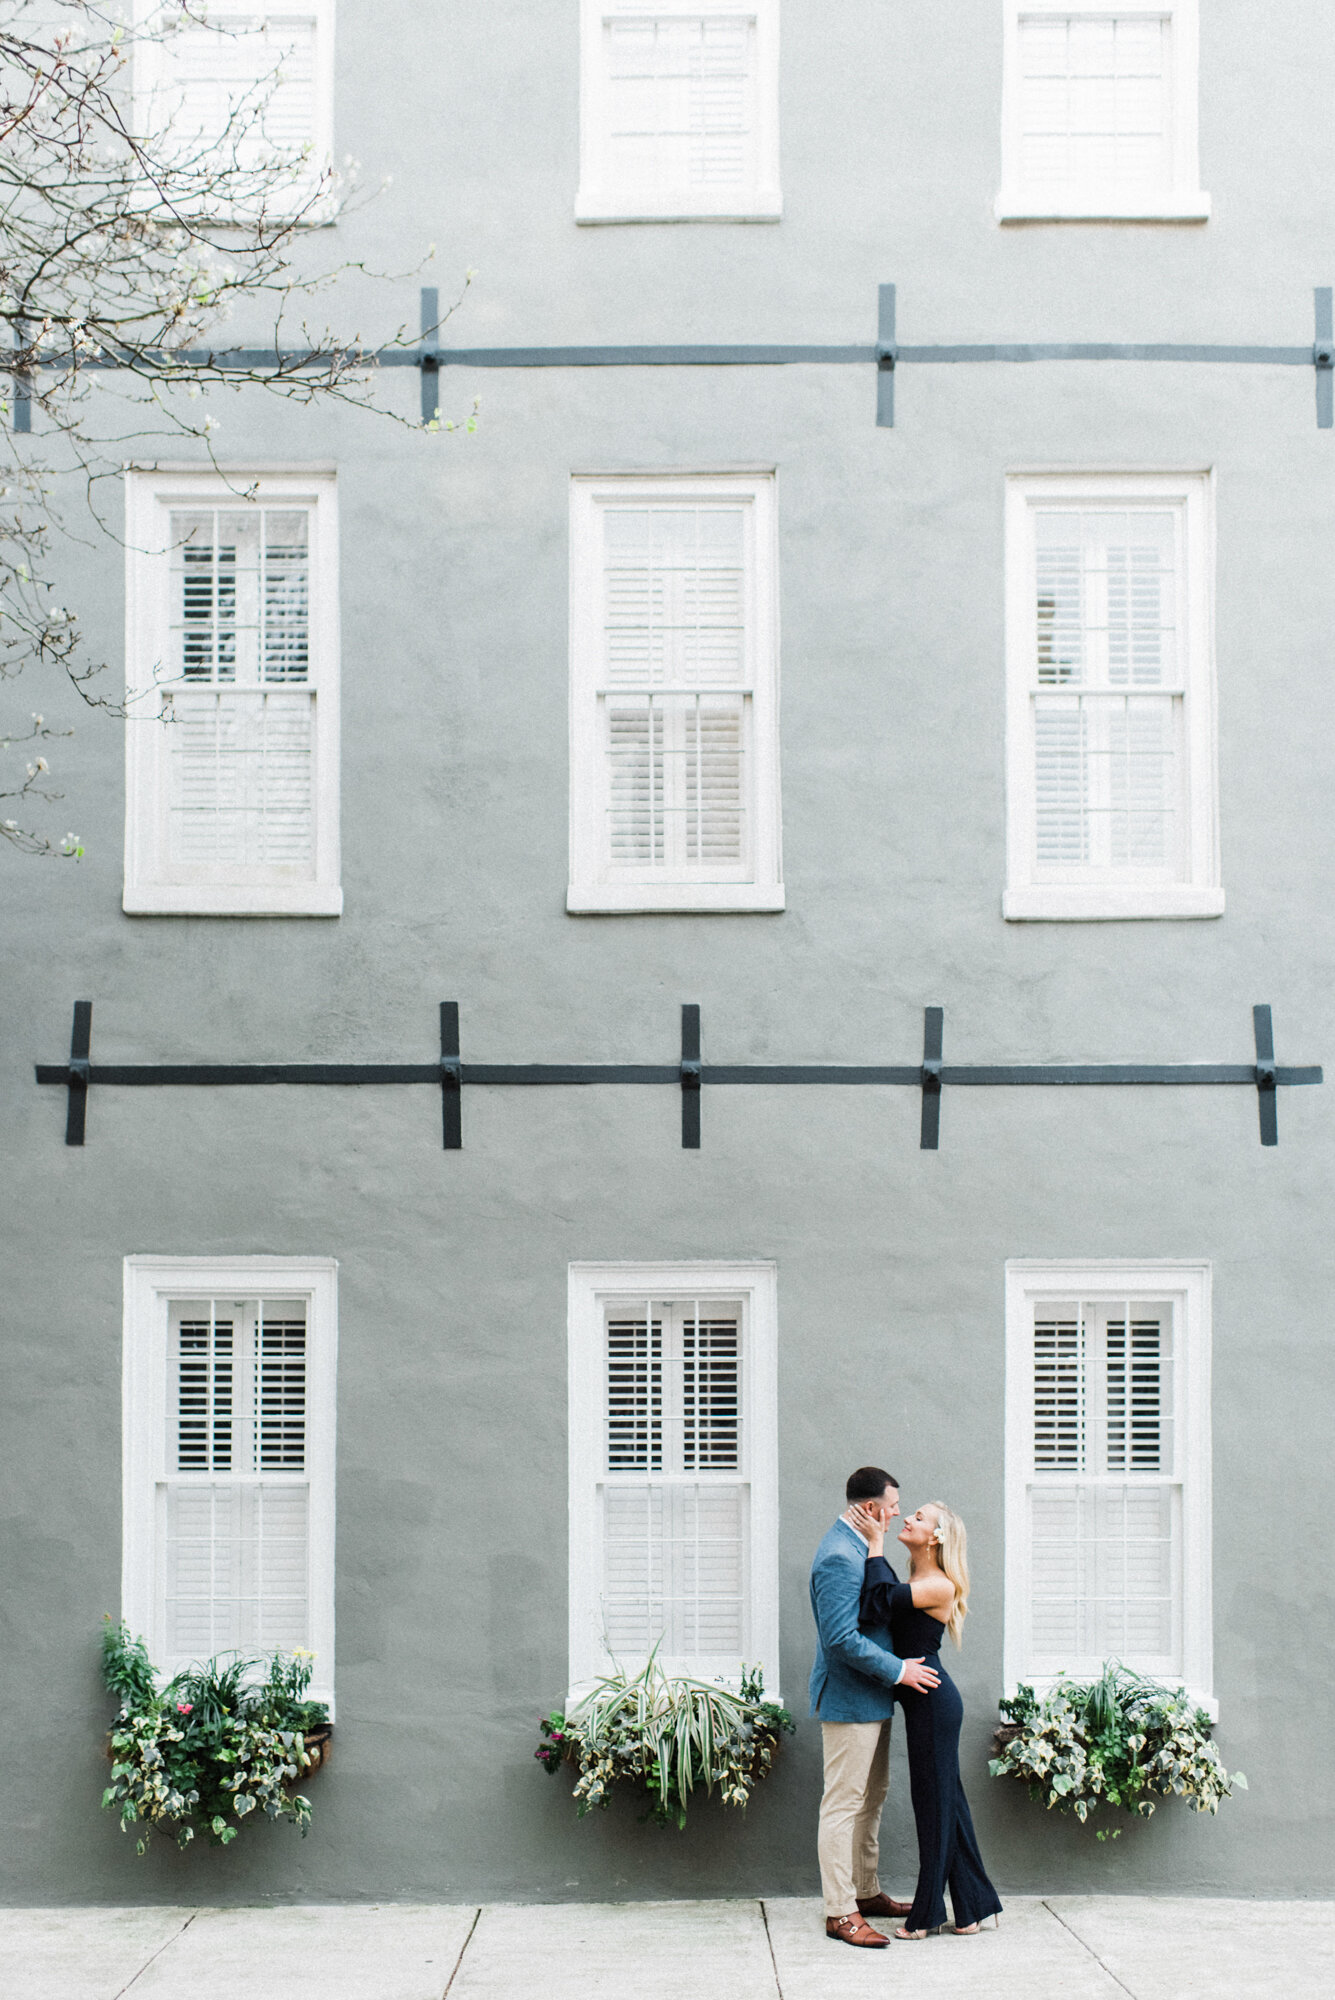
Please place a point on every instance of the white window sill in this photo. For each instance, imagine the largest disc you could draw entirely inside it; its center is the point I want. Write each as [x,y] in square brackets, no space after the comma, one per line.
[1013,206]
[1107,903]
[639,898]
[765,205]
[220,899]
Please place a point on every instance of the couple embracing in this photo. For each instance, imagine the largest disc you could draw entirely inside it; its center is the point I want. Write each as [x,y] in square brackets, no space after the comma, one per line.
[877,1643]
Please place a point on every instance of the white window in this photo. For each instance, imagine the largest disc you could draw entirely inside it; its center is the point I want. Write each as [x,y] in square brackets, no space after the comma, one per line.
[229,1457]
[674,757]
[1108,1472]
[673,1500]
[232,687]
[679,111]
[1110,732]
[1099,112]
[246,86]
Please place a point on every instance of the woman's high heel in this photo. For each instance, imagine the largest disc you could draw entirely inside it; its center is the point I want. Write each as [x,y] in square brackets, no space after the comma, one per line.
[972,1930]
[914,1937]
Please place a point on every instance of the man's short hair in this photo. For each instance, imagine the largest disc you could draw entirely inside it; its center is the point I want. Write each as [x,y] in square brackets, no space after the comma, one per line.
[868,1483]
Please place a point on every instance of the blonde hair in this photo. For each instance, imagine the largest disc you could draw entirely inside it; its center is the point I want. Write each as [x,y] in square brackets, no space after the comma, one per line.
[951,1545]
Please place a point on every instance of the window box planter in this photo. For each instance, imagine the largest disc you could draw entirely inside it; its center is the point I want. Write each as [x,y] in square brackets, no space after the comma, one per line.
[1121,1742]
[207,1748]
[664,1736]
[317,1743]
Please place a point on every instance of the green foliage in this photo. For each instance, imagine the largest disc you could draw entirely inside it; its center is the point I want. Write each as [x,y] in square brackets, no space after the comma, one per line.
[663,1736]
[1121,1741]
[221,1740]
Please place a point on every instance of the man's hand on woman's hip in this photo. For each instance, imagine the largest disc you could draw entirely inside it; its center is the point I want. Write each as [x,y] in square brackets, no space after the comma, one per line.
[918,1675]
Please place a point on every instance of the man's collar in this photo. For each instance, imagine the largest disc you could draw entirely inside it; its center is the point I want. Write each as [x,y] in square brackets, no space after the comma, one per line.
[855,1531]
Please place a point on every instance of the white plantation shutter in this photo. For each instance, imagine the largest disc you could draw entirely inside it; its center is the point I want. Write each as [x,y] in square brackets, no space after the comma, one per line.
[1107,694]
[233,1503]
[246,81]
[1104,1490]
[676,689]
[680,98]
[1095,105]
[244,682]
[673,1490]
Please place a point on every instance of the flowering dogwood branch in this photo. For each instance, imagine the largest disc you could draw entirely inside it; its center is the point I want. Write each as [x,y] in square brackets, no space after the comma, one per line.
[128,243]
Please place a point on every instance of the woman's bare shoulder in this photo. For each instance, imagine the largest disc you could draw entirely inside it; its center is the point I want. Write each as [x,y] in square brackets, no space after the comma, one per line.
[932,1590]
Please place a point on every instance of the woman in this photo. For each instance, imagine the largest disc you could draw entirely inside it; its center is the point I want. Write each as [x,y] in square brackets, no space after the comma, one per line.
[936,1597]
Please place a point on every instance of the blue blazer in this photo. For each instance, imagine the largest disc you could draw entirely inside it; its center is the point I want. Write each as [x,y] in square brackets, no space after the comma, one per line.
[854,1677]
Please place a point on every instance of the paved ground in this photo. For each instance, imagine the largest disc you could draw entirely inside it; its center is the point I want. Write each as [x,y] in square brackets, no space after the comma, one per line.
[1061,1948]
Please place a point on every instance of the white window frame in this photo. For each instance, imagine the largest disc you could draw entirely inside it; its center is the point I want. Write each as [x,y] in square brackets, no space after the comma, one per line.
[756,1284]
[152,888]
[595,887]
[1198,892]
[151,1283]
[1187,1284]
[147,71]
[601,199]
[1183,200]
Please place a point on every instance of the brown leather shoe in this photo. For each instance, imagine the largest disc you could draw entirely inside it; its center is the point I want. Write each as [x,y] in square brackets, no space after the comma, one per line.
[852,1930]
[881,1905]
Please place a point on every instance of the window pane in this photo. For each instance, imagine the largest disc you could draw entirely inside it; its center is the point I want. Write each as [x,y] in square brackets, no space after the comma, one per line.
[235,1567]
[681,98]
[674,1569]
[1094,107]
[675,596]
[241,781]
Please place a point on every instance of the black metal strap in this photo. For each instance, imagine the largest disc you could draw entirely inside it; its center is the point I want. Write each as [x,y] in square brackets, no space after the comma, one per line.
[933,1029]
[1267,1076]
[451,1077]
[884,354]
[450,1074]
[428,357]
[690,1076]
[78,1073]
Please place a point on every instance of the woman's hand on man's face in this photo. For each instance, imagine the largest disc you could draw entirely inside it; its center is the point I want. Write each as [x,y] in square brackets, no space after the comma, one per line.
[870,1525]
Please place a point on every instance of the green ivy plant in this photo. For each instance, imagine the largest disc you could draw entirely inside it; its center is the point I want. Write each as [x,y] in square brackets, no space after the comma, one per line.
[216,1743]
[663,1736]
[1121,1742]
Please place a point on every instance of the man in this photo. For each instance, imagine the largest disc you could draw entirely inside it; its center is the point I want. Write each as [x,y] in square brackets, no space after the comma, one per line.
[852,1691]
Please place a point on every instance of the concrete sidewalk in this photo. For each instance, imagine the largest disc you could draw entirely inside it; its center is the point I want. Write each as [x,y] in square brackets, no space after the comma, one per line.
[1058,1948]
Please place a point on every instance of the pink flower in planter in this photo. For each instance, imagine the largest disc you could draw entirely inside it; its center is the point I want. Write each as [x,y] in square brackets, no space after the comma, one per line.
[184,1707]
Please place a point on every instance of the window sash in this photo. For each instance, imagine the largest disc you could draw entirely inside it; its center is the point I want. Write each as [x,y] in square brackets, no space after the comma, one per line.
[678,110]
[1096,101]
[679,98]
[1108,1550]
[1111,770]
[672,1475]
[1107,693]
[232,685]
[1099,111]
[674,749]
[1107,1579]
[229,1516]
[267,65]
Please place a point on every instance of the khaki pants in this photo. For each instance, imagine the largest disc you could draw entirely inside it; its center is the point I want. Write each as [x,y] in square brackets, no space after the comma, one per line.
[857,1778]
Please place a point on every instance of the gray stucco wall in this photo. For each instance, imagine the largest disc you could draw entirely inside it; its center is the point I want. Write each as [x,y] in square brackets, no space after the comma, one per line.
[451,1467]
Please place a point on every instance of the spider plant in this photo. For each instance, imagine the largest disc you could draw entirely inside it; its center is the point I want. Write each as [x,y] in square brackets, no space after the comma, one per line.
[668,1735]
